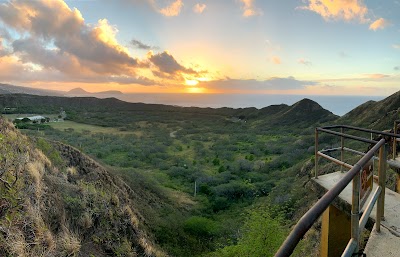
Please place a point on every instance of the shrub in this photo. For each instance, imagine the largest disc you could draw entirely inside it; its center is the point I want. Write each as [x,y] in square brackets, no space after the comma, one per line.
[201,227]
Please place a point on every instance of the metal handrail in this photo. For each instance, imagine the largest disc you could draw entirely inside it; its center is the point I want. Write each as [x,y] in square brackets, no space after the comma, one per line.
[313,214]
[365,130]
[394,135]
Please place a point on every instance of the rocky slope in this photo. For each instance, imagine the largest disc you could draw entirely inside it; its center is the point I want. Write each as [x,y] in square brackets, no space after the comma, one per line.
[59,202]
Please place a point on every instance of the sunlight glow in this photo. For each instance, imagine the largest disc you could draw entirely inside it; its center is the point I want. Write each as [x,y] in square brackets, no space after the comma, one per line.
[195,90]
[191,82]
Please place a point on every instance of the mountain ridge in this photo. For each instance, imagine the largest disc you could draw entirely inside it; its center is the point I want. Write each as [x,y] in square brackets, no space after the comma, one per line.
[372,114]
[303,113]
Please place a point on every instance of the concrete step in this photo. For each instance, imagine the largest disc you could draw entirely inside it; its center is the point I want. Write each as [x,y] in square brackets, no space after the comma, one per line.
[384,243]
[392,199]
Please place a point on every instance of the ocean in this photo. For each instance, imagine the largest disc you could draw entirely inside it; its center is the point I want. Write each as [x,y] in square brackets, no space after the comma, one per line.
[339,105]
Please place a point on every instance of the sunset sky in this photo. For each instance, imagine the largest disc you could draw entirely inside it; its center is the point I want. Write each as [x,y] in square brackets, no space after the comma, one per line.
[308,47]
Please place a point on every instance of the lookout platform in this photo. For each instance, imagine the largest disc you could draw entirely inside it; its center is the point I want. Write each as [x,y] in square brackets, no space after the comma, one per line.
[387,241]
[356,199]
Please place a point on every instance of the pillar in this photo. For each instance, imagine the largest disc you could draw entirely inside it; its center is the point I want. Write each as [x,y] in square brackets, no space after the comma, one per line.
[335,232]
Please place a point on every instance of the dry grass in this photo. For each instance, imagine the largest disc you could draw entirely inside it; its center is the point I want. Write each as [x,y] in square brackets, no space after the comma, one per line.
[71,171]
[16,244]
[36,171]
[148,247]
[69,243]
[86,221]
[132,217]
[40,156]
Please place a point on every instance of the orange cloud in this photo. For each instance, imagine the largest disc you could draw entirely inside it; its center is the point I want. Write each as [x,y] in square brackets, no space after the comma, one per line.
[199,8]
[87,48]
[377,76]
[339,9]
[380,23]
[52,43]
[173,9]
[276,60]
[249,9]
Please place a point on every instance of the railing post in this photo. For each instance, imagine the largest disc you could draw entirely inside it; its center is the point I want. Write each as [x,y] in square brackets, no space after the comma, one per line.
[394,139]
[341,148]
[355,209]
[380,210]
[316,153]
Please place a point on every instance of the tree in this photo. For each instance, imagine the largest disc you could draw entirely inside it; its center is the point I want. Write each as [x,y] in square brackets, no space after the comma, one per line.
[262,236]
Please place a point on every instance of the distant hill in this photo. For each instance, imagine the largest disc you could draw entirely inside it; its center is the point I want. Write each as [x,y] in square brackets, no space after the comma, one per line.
[377,115]
[11,89]
[77,91]
[81,92]
[301,114]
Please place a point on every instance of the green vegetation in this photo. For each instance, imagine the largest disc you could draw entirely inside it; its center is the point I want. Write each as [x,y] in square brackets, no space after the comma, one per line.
[210,182]
[205,169]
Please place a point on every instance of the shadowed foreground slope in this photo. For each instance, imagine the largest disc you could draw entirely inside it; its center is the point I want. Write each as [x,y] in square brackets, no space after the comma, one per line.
[64,204]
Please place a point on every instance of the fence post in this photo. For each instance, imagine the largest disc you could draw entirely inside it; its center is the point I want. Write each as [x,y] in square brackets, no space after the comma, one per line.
[394,139]
[380,210]
[316,152]
[341,148]
[355,209]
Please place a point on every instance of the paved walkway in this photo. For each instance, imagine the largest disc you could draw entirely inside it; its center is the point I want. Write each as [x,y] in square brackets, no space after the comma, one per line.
[386,243]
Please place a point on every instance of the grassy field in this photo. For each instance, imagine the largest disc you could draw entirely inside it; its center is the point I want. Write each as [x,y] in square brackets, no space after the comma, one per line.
[80,127]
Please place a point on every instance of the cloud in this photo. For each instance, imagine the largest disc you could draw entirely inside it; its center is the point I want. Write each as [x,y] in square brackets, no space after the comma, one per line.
[140,45]
[304,62]
[3,50]
[199,8]
[274,83]
[51,42]
[173,9]
[167,65]
[380,23]
[397,68]
[275,60]
[346,10]
[56,26]
[249,9]
[396,46]
[376,76]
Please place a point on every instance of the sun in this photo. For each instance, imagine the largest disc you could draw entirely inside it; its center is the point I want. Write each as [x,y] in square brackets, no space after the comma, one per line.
[191,82]
[195,90]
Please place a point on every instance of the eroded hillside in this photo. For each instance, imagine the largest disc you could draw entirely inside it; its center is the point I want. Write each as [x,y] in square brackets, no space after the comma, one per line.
[63,203]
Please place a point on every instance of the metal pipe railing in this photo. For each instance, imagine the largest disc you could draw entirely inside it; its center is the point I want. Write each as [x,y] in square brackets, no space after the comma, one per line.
[341,163]
[378,132]
[347,136]
[370,206]
[312,215]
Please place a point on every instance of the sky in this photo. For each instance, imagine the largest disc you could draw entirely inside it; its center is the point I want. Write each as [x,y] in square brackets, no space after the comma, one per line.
[305,47]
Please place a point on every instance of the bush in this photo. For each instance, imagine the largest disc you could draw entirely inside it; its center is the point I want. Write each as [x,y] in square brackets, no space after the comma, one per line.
[201,227]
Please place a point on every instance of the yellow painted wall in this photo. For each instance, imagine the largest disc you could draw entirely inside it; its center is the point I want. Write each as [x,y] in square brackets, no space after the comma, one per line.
[335,232]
